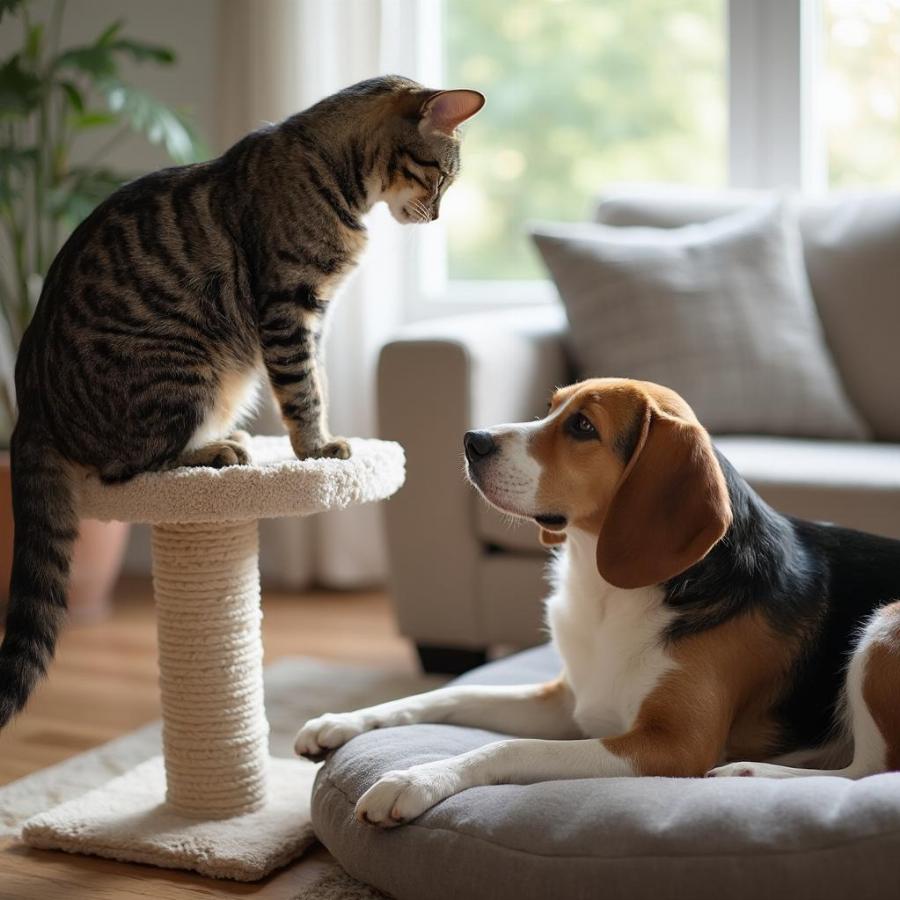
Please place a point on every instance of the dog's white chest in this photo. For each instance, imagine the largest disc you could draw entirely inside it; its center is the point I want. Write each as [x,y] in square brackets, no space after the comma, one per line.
[609,640]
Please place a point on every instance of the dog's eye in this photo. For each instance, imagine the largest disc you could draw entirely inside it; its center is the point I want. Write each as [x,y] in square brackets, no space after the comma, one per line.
[581,427]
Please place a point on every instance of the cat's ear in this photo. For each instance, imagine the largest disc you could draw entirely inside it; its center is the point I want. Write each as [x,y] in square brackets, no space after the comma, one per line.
[445,110]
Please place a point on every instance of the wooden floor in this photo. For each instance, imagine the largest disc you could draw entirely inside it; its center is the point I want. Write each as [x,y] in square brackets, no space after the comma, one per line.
[104,683]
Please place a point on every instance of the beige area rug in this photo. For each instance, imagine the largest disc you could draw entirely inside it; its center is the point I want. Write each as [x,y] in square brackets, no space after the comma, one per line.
[296,689]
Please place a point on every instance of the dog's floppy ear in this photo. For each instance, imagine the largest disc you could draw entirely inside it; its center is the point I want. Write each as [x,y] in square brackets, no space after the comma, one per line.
[670,507]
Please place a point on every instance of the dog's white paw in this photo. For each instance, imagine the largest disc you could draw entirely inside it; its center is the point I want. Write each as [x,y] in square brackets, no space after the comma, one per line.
[751,770]
[328,732]
[401,796]
[732,770]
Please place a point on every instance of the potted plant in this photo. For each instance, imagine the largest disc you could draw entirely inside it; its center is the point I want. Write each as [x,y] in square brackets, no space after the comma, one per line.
[50,97]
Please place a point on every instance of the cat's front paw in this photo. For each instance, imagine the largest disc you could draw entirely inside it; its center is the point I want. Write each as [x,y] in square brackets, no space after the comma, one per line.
[336,448]
[217,455]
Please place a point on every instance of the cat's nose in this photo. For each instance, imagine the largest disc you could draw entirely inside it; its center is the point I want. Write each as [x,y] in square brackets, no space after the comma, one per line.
[478,445]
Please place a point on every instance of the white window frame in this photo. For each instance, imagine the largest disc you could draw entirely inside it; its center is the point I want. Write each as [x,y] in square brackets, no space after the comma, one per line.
[775,138]
[775,134]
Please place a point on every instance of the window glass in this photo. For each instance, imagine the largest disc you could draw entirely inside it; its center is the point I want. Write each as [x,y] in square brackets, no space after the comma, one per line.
[861,91]
[580,93]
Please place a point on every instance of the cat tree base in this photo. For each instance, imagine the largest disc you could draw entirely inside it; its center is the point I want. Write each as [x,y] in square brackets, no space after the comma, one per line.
[127,819]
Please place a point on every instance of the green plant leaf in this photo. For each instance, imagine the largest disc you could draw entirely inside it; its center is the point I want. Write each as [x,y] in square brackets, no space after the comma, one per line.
[59,162]
[20,89]
[34,41]
[9,6]
[109,33]
[96,60]
[76,100]
[83,188]
[100,59]
[138,50]
[141,52]
[156,121]
[17,157]
[13,159]
[93,118]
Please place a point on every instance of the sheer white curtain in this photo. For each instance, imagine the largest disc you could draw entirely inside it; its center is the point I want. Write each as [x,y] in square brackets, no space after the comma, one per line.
[279,56]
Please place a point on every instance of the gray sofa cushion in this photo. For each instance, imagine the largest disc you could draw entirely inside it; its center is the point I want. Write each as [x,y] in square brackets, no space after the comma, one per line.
[720,312]
[744,839]
[852,484]
[850,245]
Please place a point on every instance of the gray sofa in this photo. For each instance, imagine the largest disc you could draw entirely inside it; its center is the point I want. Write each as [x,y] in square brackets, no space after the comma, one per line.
[465,580]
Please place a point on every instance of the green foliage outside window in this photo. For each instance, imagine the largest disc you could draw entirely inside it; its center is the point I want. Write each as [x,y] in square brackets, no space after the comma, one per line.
[860,92]
[581,93]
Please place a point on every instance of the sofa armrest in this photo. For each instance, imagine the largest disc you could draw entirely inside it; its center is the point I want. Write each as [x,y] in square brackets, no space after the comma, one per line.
[436,381]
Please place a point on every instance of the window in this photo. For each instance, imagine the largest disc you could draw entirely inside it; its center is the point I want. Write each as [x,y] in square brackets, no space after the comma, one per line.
[580,94]
[861,91]
[584,93]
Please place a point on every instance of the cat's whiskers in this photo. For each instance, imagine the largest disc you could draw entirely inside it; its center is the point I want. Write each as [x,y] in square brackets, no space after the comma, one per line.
[419,210]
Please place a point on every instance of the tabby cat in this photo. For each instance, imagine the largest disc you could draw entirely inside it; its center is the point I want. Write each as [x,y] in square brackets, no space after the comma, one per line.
[164,306]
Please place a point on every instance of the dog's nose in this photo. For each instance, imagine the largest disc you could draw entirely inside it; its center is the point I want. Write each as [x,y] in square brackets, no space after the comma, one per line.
[478,444]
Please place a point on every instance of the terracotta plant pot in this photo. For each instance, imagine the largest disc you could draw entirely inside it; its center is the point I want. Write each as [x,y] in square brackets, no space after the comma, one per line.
[96,560]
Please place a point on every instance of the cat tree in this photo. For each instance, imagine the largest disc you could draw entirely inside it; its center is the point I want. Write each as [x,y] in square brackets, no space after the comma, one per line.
[215,802]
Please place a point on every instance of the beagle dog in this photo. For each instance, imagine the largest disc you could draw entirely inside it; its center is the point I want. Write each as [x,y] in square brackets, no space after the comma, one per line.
[697,626]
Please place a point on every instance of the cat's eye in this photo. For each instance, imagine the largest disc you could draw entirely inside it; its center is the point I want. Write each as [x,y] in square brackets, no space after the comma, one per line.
[581,427]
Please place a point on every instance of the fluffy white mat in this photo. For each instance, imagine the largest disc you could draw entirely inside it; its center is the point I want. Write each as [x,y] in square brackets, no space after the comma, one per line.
[296,689]
[124,819]
[276,484]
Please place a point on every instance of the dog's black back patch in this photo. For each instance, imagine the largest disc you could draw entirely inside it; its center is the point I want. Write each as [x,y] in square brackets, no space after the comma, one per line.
[814,581]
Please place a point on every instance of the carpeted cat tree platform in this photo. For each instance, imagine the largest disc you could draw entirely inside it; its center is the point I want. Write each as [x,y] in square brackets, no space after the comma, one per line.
[215,802]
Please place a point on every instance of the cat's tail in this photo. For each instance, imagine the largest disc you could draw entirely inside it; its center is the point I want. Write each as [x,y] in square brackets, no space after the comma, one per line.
[46,525]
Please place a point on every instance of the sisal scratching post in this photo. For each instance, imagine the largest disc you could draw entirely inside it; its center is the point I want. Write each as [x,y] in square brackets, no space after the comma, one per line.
[215,802]
[206,584]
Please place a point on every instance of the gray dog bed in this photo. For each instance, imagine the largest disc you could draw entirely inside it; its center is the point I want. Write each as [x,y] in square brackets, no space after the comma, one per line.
[629,838]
